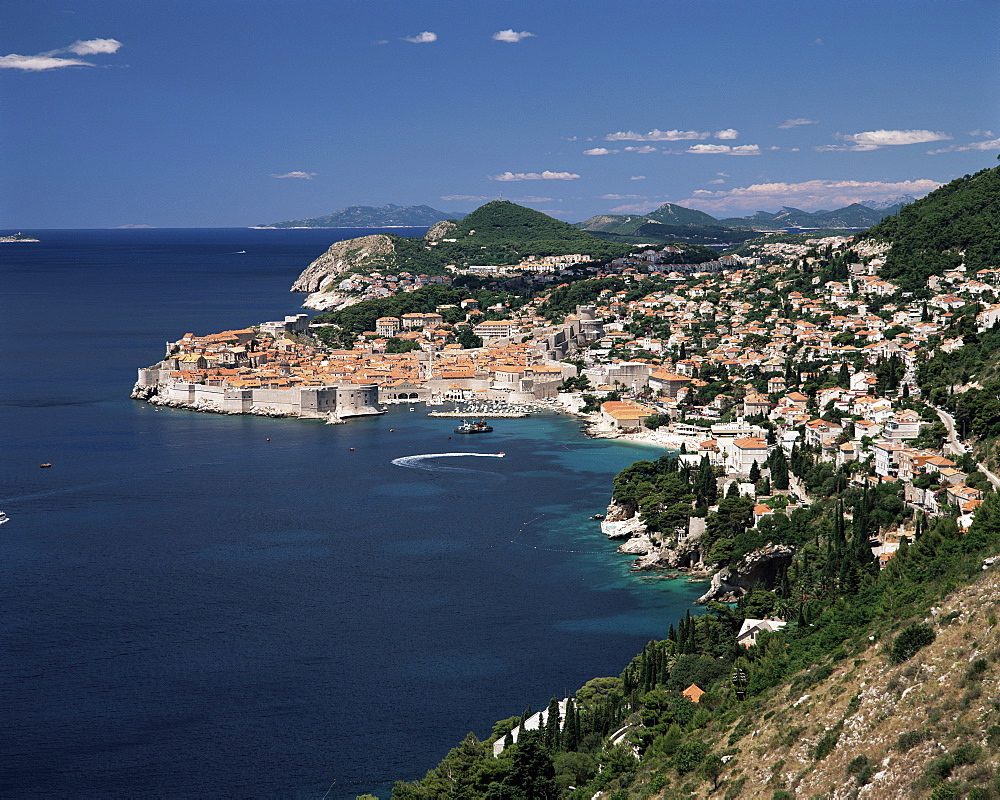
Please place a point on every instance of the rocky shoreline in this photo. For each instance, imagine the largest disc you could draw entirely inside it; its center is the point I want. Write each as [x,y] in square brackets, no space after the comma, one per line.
[728,584]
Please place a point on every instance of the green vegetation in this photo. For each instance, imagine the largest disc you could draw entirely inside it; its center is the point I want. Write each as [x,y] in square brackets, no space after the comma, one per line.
[958,223]
[831,592]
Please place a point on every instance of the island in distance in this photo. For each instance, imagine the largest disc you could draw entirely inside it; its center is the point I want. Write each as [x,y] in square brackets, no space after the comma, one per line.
[387,216]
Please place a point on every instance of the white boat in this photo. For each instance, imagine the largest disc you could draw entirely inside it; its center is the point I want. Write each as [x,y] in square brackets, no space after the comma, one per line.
[3,517]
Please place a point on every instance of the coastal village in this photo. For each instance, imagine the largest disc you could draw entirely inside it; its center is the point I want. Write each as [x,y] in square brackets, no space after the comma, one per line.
[831,369]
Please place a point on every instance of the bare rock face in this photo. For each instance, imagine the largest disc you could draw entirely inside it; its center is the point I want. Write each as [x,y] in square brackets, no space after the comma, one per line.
[619,512]
[341,257]
[869,248]
[729,584]
[440,230]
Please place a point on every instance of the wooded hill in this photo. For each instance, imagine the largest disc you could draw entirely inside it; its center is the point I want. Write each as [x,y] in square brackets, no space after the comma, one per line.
[958,223]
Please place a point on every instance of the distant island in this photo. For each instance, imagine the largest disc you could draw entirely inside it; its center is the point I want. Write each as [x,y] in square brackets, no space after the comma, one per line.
[19,237]
[387,216]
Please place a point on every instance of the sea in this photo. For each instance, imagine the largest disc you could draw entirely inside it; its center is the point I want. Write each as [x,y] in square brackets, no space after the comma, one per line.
[195,605]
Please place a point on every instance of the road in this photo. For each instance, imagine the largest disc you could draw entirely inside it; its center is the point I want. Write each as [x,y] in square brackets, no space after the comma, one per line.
[955,447]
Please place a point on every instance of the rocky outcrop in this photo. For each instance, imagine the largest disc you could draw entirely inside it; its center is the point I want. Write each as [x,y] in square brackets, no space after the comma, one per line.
[439,230]
[144,391]
[341,257]
[622,521]
[729,584]
[870,248]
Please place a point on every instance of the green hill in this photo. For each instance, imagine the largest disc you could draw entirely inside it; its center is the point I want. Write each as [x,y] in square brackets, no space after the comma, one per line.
[958,223]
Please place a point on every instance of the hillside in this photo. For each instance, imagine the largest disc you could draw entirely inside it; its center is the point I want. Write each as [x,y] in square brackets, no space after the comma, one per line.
[499,233]
[856,215]
[386,216]
[958,223]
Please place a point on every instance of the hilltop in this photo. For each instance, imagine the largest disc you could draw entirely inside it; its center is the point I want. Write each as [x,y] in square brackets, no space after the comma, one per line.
[387,216]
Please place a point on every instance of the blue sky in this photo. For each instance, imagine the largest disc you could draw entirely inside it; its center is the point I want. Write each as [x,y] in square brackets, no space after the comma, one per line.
[184,113]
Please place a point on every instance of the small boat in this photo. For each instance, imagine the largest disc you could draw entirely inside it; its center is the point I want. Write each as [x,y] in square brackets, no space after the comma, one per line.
[3,517]
[474,427]
[46,464]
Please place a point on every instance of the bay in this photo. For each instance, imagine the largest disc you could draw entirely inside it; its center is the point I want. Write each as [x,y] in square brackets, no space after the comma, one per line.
[195,605]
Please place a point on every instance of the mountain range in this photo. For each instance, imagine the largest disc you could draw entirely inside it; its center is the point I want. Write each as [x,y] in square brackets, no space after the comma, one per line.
[671,221]
[386,216]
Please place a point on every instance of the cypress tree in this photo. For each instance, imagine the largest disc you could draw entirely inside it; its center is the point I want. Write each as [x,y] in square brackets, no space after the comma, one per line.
[571,730]
[551,737]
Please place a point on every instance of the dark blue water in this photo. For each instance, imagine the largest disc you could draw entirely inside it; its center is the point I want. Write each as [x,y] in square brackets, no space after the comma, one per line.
[190,610]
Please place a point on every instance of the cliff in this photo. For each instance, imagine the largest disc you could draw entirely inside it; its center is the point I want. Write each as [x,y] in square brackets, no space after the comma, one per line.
[341,257]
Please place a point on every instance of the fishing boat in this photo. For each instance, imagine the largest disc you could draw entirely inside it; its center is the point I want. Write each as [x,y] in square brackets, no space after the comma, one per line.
[474,427]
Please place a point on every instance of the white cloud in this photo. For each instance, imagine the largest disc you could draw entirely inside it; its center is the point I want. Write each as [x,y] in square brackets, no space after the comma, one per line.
[884,138]
[297,174]
[598,151]
[623,197]
[637,178]
[806,195]
[846,148]
[92,47]
[51,60]
[380,41]
[39,63]
[532,199]
[465,198]
[724,149]
[987,134]
[424,37]
[727,133]
[988,144]
[547,175]
[816,43]
[511,36]
[656,135]
[796,123]
[646,148]
[716,181]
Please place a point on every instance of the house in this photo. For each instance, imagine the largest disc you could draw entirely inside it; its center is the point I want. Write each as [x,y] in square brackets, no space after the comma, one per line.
[693,693]
[668,382]
[623,415]
[745,452]
[751,628]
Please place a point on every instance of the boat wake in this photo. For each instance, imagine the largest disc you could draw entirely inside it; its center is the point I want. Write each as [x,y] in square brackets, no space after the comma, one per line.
[427,461]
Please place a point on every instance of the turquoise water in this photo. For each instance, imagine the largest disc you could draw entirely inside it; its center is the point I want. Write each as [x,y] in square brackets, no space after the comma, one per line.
[190,610]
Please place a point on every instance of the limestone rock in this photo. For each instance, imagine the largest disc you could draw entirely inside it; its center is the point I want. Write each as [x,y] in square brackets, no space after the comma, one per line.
[341,257]
[731,583]
[637,546]
[440,230]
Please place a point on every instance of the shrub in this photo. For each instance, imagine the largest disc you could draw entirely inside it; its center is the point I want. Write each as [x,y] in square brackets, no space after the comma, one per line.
[912,738]
[911,639]
[826,744]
